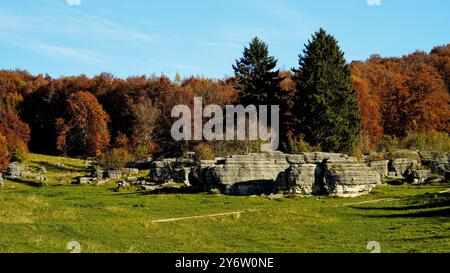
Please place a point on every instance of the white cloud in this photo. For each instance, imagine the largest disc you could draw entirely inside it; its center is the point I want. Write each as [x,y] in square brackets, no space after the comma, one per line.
[73,2]
[374,2]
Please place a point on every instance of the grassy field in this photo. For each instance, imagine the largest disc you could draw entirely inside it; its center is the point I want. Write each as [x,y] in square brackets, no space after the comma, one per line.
[44,219]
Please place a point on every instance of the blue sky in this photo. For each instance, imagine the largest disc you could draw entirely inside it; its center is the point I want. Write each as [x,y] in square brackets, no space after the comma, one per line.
[204,37]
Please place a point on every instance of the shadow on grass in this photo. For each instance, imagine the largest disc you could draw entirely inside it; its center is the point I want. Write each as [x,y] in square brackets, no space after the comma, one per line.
[425,205]
[29,182]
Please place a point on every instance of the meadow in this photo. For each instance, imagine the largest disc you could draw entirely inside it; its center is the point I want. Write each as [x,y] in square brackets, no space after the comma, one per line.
[45,217]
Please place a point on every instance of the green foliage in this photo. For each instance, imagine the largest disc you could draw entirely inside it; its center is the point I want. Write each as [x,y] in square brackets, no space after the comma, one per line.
[388,144]
[20,154]
[203,151]
[427,141]
[327,105]
[256,79]
[297,146]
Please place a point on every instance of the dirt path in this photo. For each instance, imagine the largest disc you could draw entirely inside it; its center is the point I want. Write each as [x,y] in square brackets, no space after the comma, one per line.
[369,202]
[237,213]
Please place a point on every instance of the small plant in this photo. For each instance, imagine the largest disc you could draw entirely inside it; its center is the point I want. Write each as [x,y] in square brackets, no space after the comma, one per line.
[115,158]
[203,152]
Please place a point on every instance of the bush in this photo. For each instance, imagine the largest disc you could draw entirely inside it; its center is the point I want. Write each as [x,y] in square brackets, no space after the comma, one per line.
[20,153]
[297,146]
[116,158]
[203,152]
[427,141]
[388,144]
[4,153]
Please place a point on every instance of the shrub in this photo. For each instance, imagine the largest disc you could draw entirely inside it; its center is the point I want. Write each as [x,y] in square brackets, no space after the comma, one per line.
[388,144]
[298,145]
[427,141]
[203,152]
[115,158]
[20,153]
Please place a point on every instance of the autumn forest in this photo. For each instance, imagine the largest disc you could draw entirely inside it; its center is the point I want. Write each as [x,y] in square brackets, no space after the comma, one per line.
[104,115]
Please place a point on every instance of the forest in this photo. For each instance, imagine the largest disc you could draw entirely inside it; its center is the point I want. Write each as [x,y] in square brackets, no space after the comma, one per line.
[326,104]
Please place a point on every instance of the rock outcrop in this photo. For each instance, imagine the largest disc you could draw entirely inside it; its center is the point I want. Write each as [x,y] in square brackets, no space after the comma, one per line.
[349,179]
[15,170]
[381,167]
[306,174]
[403,166]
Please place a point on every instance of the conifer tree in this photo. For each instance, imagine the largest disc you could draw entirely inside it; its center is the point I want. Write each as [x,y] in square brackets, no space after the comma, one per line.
[257,80]
[327,105]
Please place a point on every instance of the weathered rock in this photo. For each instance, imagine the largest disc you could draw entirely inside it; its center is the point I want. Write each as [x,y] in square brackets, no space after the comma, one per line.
[320,157]
[113,174]
[131,171]
[403,166]
[40,178]
[275,196]
[57,164]
[438,164]
[97,173]
[83,180]
[15,170]
[382,167]
[250,174]
[102,182]
[302,179]
[349,179]
[121,185]
[1,181]
[419,176]
[41,169]
[167,169]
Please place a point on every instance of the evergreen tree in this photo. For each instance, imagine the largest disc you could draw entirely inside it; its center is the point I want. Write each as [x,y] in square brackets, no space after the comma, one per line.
[257,81]
[327,105]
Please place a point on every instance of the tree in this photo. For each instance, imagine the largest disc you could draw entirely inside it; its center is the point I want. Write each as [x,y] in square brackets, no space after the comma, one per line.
[16,134]
[84,130]
[256,79]
[4,153]
[327,105]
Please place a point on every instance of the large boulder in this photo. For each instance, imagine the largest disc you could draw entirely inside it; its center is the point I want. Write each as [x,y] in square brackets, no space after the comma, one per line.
[170,169]
[251,174]
[403,166]
[301,179]
[349,179]
[320,157]
[382,167]
[437,163]
[15,170]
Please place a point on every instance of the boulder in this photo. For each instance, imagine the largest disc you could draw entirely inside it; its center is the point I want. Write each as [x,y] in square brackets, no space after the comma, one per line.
[382,167]
[349,179]
[113,174]
[250,174]
[419,176]
[302,179]
[438,164]
[403,166]
[15,170]
[131,171]
[165,170]
[320,157]
[41,169]
[121,185]
[1,181]
[83,180]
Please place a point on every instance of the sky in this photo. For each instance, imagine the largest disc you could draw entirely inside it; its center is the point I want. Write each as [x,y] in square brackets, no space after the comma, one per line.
[204,37]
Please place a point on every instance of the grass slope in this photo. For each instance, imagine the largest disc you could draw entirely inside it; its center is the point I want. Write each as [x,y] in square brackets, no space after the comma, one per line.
[45,219]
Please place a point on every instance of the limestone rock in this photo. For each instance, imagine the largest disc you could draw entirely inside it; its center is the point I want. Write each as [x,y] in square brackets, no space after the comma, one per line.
[113,174]
[320,157]
[15,170]
[382,167]
[349,179]
[1,181]
[403,166]
[419,176]
[301,179]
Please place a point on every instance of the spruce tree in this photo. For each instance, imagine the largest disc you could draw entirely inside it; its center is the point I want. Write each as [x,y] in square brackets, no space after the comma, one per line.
[327,105]
[256,79]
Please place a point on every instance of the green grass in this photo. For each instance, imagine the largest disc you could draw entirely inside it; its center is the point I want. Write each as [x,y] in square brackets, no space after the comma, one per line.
[45,219]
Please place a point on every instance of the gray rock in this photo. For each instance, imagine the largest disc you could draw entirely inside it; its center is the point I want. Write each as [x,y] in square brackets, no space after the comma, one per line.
[121,185]
[42,169]
[113,174]
[57,164]
[302,179]
[15,170]
[403,166]
[275,196]
[320,157]
[1,181]
[382,167]
[131,171]
[349,179]
[83,180]
[167,169]
[419,176]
